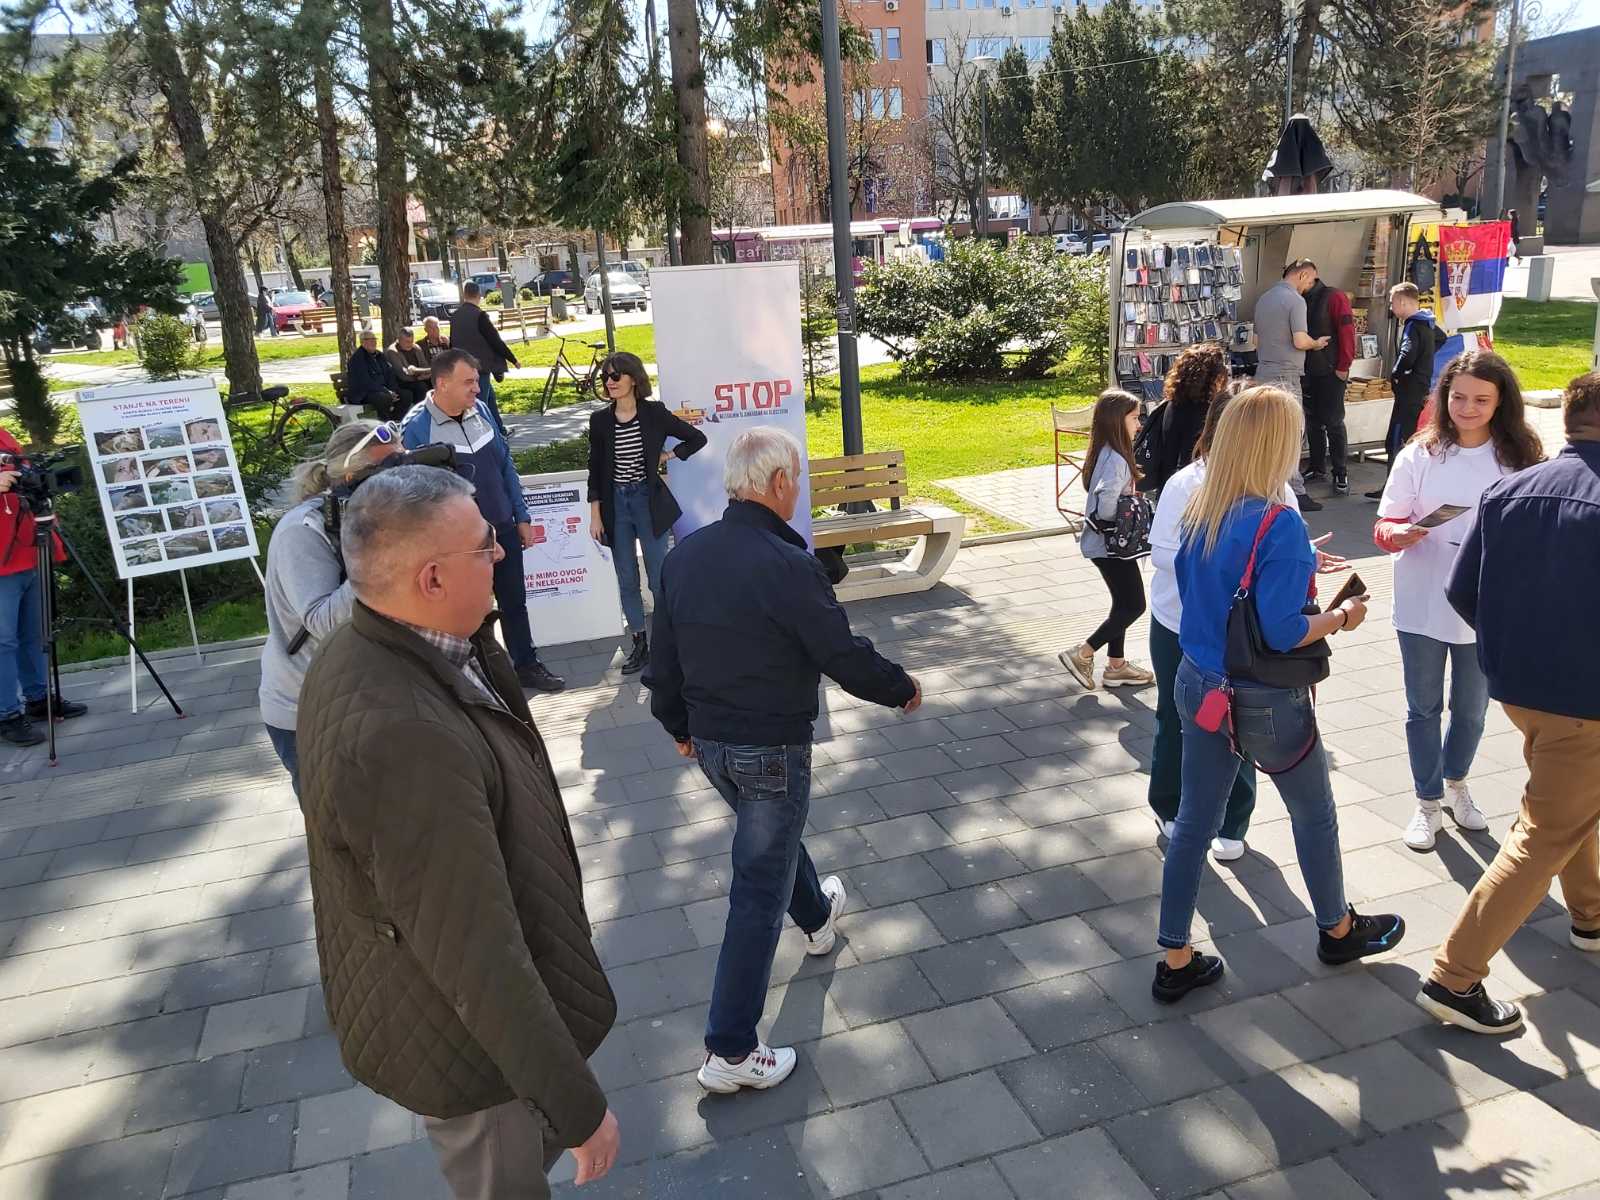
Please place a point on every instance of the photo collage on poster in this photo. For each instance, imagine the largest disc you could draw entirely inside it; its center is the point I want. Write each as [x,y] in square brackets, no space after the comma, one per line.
[172,489]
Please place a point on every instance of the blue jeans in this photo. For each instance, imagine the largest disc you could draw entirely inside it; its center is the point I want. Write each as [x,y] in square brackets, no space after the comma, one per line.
[769,790]
[1422,659]
[283,742]
[1274,726]
[630,523]
[22,668]
[486,394]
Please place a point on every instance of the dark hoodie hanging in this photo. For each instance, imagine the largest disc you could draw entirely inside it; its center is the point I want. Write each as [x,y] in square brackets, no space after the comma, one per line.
[1299,164]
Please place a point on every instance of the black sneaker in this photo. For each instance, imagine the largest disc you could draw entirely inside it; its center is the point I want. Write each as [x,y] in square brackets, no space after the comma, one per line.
[1341,485]
[1377,494]
[638,656]
[1587,940]
[1171,986]
[19,731]
[1367,936]
[537,676]
[1474,1011]
[1316,477]
[65,709]
[1307,504]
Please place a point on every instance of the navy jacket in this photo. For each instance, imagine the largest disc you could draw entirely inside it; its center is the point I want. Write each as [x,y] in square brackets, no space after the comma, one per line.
[746,624]
[367,372]
[1412,374]
[483,457]
[1526,579]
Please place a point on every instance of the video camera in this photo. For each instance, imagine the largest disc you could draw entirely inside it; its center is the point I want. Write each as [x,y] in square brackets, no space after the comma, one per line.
[37,482]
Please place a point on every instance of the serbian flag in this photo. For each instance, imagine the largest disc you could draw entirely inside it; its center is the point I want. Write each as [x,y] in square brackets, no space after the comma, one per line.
[1472,262]
[1454,346]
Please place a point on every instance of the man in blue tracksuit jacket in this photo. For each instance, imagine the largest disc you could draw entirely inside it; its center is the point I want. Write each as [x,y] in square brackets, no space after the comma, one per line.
[1526,579]
[454,415]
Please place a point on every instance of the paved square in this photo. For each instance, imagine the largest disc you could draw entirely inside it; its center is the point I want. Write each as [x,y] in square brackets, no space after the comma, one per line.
[984,1030]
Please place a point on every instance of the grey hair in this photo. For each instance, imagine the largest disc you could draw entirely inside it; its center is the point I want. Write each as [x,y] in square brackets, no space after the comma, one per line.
[317,476]
[387,520]
[756,456]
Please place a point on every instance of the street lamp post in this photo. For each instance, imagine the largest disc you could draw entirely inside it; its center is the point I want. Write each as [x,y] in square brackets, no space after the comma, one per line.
[839,209]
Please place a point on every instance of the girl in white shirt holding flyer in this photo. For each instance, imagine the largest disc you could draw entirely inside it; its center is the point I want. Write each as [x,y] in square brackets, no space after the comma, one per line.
[1478,435]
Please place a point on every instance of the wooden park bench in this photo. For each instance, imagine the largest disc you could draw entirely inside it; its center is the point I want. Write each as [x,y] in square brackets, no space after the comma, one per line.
[535,313]
[313,319]
[882,476]
[342,405]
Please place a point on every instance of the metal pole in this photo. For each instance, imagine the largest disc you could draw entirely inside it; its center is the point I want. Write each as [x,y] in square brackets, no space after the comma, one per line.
[1499,194]
[605,290]
[839,203]
[983,156]
[1292,10]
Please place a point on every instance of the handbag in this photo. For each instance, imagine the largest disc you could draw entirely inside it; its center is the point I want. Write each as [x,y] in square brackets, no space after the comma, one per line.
[1127,534]
[1246,654]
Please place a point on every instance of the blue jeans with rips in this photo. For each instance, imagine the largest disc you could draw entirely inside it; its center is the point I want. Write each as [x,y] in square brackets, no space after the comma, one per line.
[1277,729]
[769,790]
[1433,760]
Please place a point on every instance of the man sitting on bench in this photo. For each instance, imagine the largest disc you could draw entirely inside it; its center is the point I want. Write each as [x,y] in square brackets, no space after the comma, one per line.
[412,373]
[370,380]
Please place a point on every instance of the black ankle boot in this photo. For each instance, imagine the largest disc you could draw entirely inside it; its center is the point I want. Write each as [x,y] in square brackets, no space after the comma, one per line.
[638,656]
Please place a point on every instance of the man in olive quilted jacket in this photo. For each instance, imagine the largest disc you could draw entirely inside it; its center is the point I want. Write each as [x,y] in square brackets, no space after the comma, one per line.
[456,953]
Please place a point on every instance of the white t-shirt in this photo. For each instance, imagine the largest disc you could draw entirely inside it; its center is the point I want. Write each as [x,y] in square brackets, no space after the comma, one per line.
[1166,535]
[1419,483]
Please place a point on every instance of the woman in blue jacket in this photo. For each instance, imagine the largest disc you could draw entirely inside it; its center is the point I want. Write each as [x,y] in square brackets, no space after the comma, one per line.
[1237,514]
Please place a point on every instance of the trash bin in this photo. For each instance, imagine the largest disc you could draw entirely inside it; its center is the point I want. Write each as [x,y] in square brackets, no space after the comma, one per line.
[558,304]
[508,290]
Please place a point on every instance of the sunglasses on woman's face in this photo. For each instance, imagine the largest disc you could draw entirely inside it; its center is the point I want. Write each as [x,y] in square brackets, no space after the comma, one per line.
[612,376]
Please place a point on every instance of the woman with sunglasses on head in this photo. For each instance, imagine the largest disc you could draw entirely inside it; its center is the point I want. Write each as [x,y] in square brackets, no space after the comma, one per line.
[1235,526]
[307,594]
[1477,436]
[631,509]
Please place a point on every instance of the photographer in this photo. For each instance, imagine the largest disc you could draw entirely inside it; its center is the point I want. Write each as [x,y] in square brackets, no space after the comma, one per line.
[306,586]
[23,681]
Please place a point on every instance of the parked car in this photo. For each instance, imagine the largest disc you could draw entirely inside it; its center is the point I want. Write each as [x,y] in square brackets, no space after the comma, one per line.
[1071,243]
[546,282]
[435,298]
[637,271]
[206,302]
[288,305]
[625,293]
[487,282]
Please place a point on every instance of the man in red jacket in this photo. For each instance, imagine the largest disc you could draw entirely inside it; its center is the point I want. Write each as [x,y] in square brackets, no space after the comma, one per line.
[1322,387]
[23,675]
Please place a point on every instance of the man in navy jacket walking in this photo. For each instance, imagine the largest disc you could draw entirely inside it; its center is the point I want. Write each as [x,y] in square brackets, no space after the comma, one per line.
[745,626]
[1526,579]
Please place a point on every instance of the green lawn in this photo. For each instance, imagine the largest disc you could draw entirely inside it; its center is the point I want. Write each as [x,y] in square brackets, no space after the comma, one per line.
[1547,344]
[225,622]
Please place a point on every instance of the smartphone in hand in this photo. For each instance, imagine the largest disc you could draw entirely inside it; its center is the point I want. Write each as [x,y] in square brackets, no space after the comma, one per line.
[1353,586]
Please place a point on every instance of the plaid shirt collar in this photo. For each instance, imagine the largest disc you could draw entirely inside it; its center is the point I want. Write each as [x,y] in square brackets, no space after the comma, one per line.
[457,649]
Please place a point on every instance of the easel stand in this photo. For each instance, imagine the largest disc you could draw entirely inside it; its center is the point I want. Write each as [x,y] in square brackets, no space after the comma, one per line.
[136,656]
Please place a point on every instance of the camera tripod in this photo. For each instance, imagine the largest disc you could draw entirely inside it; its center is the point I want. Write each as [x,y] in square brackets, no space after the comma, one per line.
[44,524]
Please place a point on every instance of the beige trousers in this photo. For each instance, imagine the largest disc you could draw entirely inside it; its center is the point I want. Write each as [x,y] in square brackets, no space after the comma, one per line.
[1554,836]
[500,1153]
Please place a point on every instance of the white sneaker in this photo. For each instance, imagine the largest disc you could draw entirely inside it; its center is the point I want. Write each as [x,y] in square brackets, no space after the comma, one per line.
[1424,827]
[1227,849]
[762,1068]
[821,941]
[1166,828]
[1459,800]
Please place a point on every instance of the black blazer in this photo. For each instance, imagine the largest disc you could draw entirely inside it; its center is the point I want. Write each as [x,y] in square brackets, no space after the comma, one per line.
[657,424]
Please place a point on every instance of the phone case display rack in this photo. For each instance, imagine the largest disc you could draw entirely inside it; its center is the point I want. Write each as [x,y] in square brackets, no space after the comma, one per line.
[1174,295]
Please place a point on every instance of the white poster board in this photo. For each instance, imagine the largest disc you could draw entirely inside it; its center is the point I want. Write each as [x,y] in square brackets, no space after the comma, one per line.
[169,485]
[728,352]
[571,585]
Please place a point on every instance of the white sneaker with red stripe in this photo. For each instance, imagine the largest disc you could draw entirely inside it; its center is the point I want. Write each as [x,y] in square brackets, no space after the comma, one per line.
[762,1068]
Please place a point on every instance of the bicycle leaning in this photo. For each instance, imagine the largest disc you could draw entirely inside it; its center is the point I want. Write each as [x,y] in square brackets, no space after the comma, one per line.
[587,382]
[299,429]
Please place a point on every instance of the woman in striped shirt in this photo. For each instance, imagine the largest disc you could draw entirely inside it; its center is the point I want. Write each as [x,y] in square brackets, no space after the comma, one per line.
[631,508]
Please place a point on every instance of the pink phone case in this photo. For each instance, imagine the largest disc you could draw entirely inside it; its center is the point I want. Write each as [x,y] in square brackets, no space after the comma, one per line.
[1215,711]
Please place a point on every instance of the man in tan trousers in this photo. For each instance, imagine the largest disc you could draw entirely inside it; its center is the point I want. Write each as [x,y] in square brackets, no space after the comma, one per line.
[1527,579]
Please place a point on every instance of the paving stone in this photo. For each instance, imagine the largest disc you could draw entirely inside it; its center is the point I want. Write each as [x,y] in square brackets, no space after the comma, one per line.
[965,1118]
[1547,1145]
[330,1182]
[1170,1061]
[973,911]
[293,1070]
[647,935]
[1356,1009]
[897,929]
[905,835]
[1423,1163]
[1289,1115]
[342,1124]
[1388,1086]
[966,1037]
[1186,1148]
[879,991]
[132,1168]
[1264,1034]
[847,1152]
[884,883]
[979,1179]
[967,970]
[1070,1088]
[1054,846]
[410,1170]
[1126,876]
[1087,1158]
[1061,1011]
[905,799]
[978,820]
[868,1063]
[185,1092]
[974,863]
[225,1149]
[1058,947]
[1319,1180]
[1054,892]
[245,1024]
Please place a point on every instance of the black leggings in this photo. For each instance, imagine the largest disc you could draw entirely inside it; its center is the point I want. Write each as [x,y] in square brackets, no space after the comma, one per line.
[1127,602]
